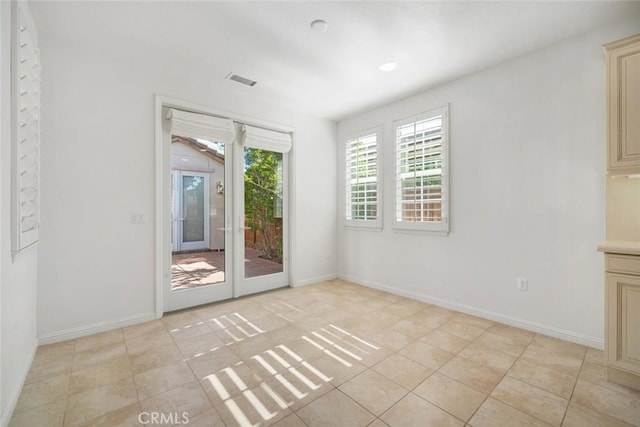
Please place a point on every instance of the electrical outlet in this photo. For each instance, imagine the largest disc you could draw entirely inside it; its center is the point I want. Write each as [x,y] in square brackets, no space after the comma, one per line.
[523,284]
[138,218]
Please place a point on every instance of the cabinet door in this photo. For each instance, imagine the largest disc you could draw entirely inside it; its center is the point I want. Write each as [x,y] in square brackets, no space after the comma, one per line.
[623,69]
[623,322]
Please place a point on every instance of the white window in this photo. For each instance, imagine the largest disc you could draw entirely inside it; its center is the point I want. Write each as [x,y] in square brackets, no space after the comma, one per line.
[362,180]
[422,192]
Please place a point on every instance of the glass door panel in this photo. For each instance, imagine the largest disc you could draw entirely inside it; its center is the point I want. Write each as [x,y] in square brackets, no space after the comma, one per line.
[201,237]
[262,212]
[264,220]
[194,193]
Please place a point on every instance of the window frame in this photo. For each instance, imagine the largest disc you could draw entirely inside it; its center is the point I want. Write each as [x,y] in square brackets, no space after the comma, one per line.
[373,224]
[441,227]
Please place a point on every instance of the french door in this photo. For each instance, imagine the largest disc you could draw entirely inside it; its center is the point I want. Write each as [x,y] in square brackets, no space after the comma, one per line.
[229,218]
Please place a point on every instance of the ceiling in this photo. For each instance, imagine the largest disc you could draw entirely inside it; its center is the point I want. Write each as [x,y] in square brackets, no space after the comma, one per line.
[331,74]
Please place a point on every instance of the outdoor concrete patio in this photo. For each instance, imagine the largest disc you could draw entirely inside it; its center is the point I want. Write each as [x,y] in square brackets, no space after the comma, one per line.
[193,269]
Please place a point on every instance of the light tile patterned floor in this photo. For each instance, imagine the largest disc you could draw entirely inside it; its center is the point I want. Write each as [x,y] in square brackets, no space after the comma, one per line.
[333,354]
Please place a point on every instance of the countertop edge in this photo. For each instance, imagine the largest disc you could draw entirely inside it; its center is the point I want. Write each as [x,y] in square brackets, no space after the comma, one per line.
[620,247]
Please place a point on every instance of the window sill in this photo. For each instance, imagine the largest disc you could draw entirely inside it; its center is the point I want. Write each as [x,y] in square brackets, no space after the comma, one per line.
[363,227]
[420,230]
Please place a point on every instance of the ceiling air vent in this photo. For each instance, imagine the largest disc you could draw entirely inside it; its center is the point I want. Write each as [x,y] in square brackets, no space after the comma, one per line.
[240,79]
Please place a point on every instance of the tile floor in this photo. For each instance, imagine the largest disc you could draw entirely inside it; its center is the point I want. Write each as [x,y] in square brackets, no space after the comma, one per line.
[333,354]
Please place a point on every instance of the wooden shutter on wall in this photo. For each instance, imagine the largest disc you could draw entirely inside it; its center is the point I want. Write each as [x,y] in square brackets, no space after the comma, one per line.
[25,82]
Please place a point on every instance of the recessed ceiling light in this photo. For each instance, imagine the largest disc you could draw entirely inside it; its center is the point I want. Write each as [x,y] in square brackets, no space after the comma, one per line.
[319,25]
[388,66]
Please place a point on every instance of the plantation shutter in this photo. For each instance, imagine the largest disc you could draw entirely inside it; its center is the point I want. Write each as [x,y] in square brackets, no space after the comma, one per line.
[201,126]
[362,177]
[26,157]
[265,139]
[421,170]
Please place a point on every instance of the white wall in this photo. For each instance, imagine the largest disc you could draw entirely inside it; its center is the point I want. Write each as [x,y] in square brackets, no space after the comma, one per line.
[527,187]
[17,276]
[96,268]
[2,139]
[3,126]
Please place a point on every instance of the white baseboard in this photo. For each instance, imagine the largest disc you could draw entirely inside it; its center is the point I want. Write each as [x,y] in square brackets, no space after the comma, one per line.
[551,331]
[13,399]
[69,334]
[314,280]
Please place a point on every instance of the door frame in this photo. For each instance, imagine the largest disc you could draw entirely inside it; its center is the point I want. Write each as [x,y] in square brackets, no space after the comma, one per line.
[163,191]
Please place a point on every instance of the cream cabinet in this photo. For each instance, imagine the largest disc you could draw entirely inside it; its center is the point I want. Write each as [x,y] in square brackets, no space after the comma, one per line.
[623,91]
[622,308]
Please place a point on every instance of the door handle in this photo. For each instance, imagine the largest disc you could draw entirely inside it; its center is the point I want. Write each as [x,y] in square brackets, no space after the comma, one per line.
[224,228]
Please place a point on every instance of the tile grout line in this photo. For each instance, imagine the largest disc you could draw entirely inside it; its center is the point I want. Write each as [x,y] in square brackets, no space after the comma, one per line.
[66,404]
[501,378]
[573,389]
[133,374]
[488,394]
[186,359]
[599,386]
[538,388]
[453,355]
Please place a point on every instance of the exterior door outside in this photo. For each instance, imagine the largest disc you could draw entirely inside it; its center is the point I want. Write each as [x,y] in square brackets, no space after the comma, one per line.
[190,210]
